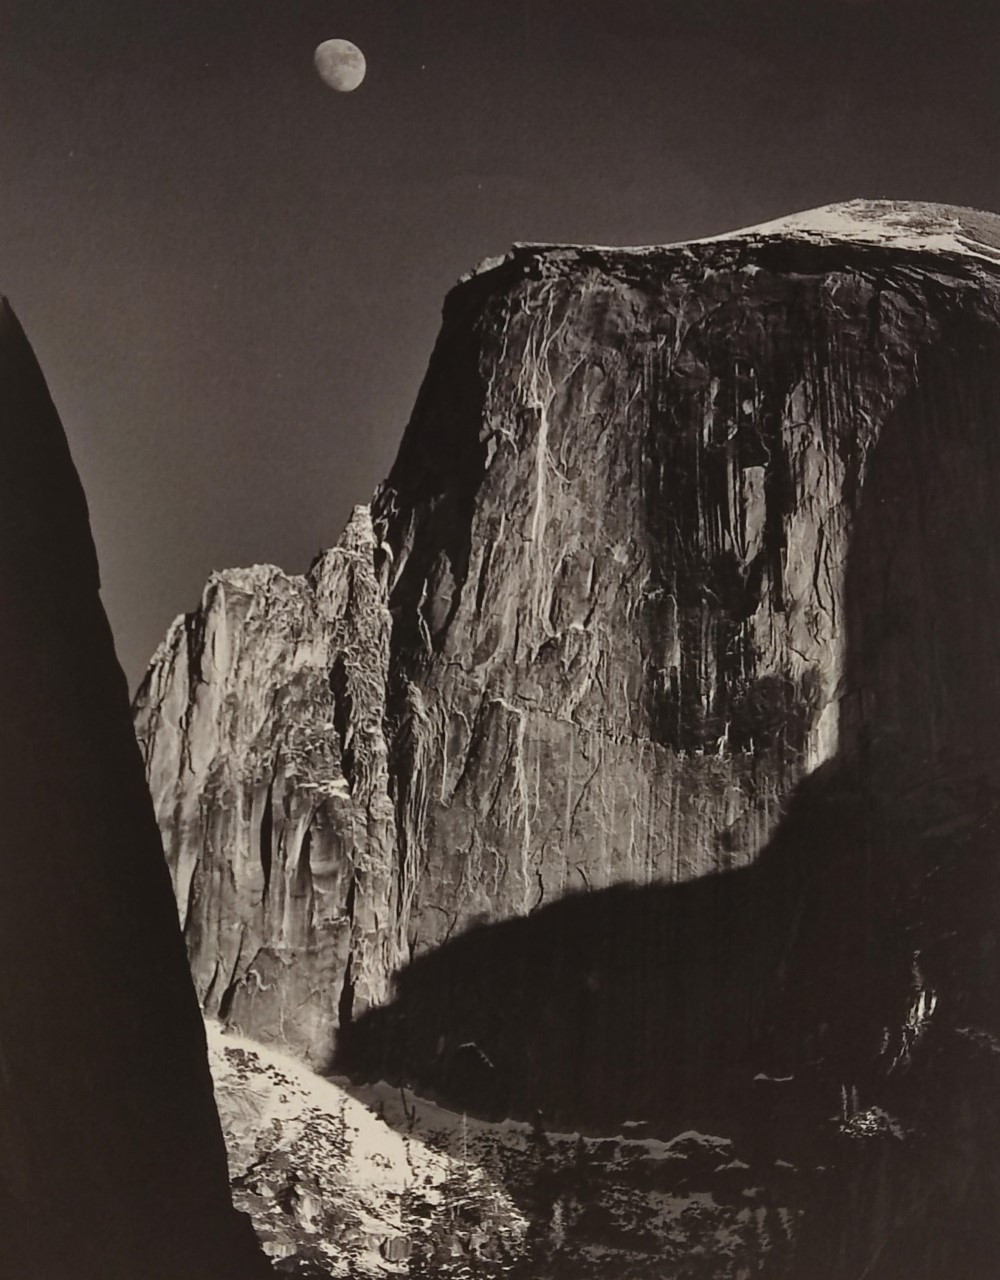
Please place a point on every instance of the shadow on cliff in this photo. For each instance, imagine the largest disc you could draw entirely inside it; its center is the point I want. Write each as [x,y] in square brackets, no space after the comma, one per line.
[854,965]
[655,1003]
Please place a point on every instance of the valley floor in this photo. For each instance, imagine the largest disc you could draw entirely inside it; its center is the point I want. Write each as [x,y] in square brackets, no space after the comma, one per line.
[342,1181]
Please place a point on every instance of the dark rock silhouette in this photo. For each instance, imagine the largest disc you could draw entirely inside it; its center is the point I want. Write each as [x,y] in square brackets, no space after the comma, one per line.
[112,1164]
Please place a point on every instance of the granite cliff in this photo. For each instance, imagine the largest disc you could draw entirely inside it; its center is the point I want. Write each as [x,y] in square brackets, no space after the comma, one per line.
[112,1162]
[633,756]
[262,724]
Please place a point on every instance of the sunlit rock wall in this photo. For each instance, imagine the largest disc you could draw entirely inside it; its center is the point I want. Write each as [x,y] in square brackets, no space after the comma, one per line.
[262,726]
[597,631]
[637,759]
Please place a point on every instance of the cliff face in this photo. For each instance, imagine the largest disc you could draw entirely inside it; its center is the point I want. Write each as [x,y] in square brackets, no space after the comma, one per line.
[669,655]
[112,1162]
[262,723]
[618,543]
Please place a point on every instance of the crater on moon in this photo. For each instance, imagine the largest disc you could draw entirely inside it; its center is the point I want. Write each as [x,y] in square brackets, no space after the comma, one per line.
[340,64]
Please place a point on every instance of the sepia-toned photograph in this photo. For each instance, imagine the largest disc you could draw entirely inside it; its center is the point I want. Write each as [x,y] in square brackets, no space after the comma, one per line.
[499,614]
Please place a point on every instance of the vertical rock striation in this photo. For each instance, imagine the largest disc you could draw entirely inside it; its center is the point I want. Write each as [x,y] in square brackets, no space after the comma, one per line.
[676,638]
[262,725]
[112,1164]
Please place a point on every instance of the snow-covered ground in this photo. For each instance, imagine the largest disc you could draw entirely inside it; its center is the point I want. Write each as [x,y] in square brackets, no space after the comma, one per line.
[376,1182]
[327,1180]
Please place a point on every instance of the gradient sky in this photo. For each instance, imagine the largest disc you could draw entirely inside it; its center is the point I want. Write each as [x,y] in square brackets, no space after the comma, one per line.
[232,276]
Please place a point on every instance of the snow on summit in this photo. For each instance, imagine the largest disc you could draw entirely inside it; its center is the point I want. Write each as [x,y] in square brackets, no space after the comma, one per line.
[917,226]
[896,224]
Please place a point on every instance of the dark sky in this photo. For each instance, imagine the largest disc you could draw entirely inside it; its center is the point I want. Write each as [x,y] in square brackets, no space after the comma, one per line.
[233,276]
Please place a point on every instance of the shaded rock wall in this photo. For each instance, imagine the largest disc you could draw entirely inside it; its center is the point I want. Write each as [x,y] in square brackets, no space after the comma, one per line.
[112,1164]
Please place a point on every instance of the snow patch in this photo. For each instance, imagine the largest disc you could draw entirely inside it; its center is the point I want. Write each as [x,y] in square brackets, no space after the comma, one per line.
[917,227]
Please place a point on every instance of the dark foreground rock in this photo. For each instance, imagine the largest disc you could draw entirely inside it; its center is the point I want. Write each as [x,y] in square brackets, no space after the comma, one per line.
[112,1163]
[635,759]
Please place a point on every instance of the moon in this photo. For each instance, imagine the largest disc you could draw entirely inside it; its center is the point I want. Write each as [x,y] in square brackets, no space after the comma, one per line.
[340,64]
